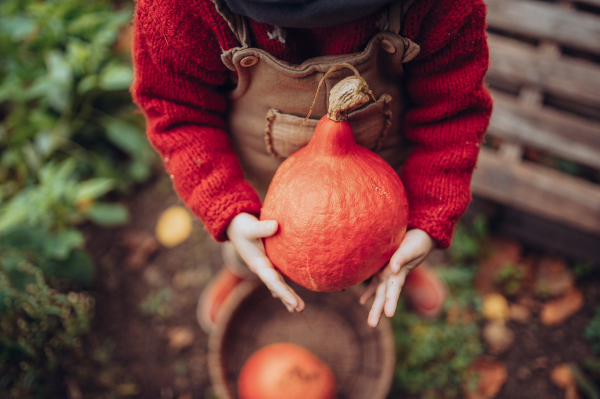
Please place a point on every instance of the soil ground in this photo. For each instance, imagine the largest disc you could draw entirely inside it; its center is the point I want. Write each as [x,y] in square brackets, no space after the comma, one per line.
[148,311]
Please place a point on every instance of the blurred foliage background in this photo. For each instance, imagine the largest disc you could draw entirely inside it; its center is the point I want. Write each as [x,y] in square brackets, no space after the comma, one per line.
[69,144]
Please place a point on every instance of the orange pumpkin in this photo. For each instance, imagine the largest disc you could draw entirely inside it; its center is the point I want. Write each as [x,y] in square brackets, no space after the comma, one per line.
[342,211]
[285,370]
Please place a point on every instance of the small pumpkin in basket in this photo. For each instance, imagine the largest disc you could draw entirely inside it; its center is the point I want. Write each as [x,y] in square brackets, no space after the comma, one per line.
[285,370]
[342,210]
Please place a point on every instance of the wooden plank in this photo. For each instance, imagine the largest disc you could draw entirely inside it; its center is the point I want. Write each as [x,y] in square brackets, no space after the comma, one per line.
[561,134]
[594,3]
[540,20]
[539,190]
[567,77]
[554,237]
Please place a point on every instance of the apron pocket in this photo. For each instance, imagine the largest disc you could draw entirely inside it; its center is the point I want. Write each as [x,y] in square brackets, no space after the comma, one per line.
[369,124]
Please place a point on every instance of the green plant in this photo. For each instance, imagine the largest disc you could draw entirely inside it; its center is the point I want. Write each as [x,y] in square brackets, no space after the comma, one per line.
[68,140]
[158,303]
[63,92]
[434,357]
[40,329]
[592,332]
[510,277]
[583,269]
[468,240]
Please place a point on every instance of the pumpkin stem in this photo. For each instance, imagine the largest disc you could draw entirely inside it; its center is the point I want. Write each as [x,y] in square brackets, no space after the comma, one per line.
[348,94]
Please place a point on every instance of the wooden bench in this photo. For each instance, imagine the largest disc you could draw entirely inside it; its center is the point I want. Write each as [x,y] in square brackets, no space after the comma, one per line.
[544,77]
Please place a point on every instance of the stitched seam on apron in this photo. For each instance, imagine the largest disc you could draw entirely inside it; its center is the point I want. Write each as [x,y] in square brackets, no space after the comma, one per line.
[270,118]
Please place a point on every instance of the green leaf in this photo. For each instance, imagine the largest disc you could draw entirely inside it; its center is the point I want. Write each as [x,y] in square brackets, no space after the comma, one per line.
[20,280]
[88,22]
[25,238]
[88,83]
[51,173]
[32,157]
[126,136]
[78,267]
[78,56]
[54,310]
[105,214]
[60,245]
[17,26]
[17,210]
[61,76]
[94,188]
[116,77]
[10,89]
[139,171]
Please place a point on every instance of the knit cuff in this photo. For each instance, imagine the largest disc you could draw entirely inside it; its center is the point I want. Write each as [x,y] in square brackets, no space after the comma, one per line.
[440,230]
[222,210]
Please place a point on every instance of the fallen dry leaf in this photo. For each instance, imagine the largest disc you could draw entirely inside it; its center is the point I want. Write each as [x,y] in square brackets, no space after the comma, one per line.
[524,373]
[153,276]
[174,226]
[519,313]
[73,390]
[530,303]
[192,278]
[492,375]
[495,308]
[127,390]
[541,363]
[140,246]
[572,393]
[180,337]
[562,377]
[558,310]
[553,277]
[498,337]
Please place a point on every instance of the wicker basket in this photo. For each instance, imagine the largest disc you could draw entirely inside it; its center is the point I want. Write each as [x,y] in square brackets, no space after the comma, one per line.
[334,327]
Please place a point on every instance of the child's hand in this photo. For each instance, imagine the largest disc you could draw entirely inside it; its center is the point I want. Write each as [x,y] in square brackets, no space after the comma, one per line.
[245,232]
[387,283]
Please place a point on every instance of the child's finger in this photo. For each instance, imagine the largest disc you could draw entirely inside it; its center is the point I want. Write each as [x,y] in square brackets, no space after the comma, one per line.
[301,303]
[272,280]
[394,287]
[416,245]
[405,254]
[402,256]
[260,229]
[369,291]
[378,303]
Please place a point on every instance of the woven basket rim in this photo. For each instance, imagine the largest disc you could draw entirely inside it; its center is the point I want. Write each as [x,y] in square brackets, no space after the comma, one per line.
[225,320]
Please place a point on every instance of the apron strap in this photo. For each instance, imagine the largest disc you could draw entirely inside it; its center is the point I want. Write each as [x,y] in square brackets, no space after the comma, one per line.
[396,14]
[237,23]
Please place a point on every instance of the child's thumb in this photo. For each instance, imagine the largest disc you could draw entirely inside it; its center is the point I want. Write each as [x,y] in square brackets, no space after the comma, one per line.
[265,228]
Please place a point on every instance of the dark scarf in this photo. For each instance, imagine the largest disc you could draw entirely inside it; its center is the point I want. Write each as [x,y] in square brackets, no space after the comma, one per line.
[305,13]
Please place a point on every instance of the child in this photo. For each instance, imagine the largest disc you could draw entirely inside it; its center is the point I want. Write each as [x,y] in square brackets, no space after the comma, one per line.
[221,82]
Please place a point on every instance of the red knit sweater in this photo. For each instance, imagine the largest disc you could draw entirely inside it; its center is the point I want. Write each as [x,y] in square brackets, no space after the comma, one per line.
[178,84]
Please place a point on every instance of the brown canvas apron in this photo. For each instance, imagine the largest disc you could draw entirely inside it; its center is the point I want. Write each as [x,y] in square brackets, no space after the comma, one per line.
[273,97]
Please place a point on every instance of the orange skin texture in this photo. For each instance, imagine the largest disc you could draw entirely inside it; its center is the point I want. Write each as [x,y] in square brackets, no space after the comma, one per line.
[342,211]
[288,371]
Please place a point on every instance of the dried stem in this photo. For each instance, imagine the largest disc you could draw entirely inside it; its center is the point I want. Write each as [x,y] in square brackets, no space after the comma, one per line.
[345,96]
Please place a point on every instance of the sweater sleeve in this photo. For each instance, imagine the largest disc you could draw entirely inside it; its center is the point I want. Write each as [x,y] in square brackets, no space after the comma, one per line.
[178,73]
[450,111]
